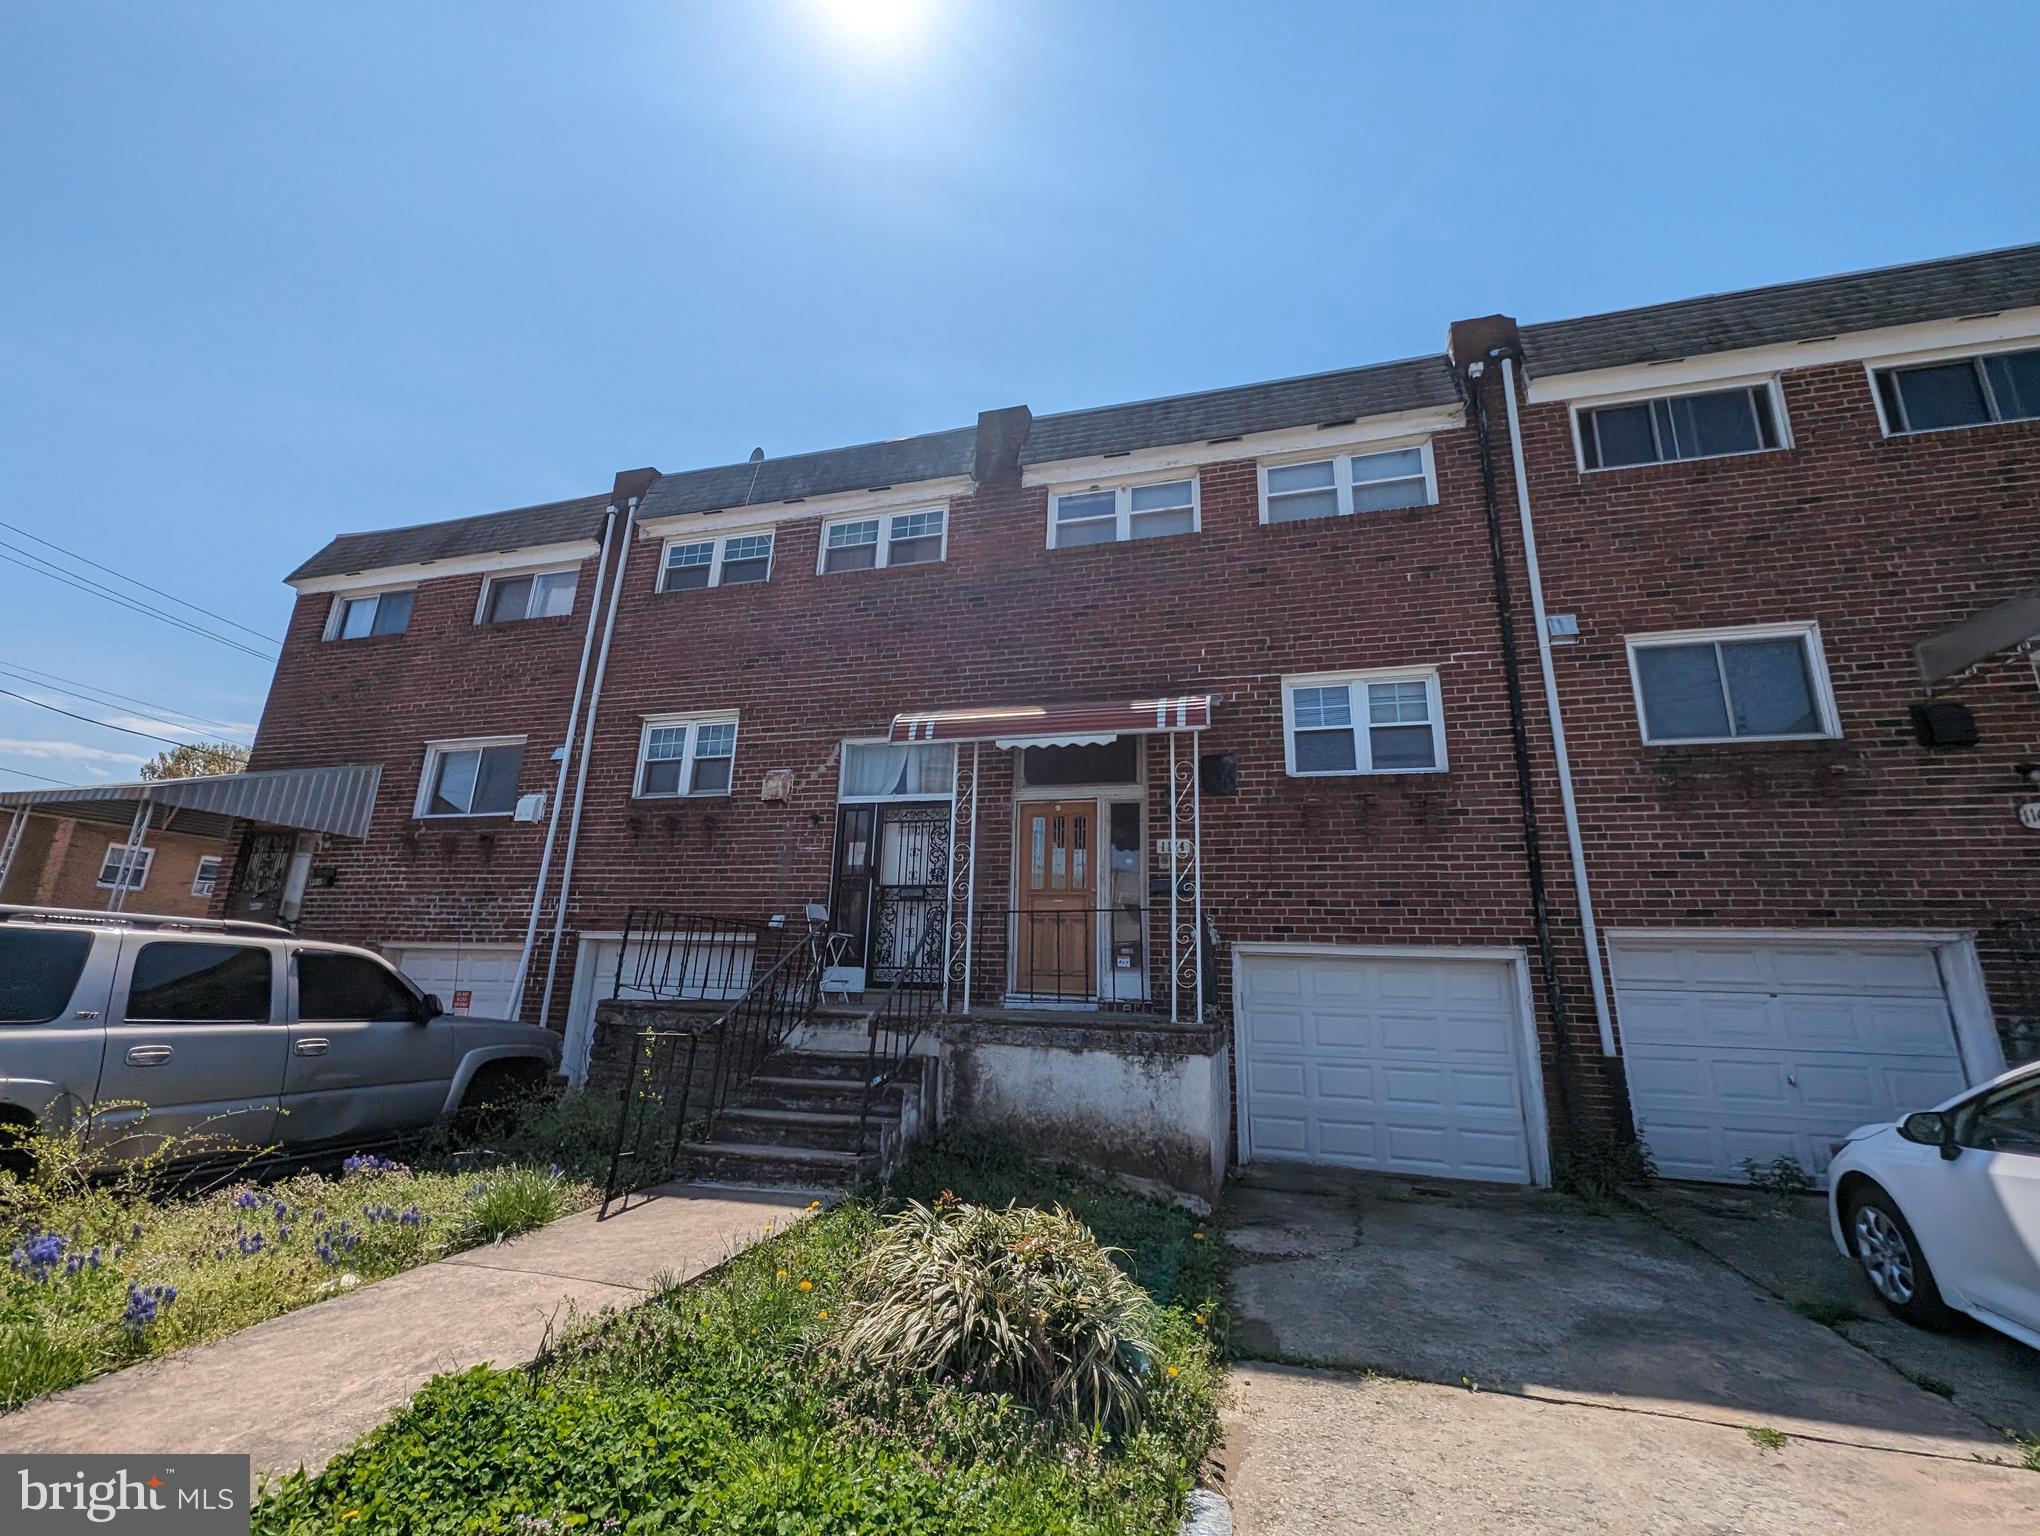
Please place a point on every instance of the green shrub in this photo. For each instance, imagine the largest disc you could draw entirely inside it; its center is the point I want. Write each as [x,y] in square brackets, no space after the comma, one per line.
[1596,1166]
[1016,1301]
[511,1200]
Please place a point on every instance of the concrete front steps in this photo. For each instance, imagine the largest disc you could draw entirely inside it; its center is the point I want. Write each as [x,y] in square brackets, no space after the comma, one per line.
[797,1124]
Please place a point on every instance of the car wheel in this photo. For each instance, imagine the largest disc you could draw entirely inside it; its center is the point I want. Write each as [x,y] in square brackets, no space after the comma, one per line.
[1892,1259]
[496,1097]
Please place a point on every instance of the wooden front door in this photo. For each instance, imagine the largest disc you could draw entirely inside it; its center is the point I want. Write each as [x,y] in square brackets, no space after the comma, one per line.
[1056,922]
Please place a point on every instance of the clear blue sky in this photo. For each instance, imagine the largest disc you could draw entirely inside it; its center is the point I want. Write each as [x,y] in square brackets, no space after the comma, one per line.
[273,271]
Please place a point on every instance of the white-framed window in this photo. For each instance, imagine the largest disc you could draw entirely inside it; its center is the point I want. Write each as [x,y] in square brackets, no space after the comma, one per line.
[473,777]
[207,877]
[1704,424]
[1758,682]
[687,755]
[1340,485]
[1944,393]
[137,861]
[728,560]
[876,543]
[1381,721]
[1115,514]
[880,770]
[528,595]
[357,615]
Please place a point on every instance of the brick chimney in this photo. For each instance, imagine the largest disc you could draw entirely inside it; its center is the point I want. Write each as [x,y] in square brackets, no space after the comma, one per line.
[1000,436]
[1468,341]
[632,482]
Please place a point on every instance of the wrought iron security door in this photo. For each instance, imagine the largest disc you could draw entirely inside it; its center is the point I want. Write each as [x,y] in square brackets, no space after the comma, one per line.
[892,871]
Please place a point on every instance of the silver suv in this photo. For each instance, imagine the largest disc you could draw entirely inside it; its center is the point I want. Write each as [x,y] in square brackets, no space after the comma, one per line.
[235,1036]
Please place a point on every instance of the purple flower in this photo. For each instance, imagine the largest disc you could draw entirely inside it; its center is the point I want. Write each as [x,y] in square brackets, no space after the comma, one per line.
[247,1199]
[144,1302]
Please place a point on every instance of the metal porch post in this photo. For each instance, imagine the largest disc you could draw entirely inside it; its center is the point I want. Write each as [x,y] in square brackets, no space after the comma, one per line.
[12,844]
[1175,885]
[118,899]
[962,903]
[1197,873]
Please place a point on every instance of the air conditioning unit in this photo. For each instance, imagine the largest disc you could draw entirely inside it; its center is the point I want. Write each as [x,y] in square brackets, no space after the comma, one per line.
[530,808]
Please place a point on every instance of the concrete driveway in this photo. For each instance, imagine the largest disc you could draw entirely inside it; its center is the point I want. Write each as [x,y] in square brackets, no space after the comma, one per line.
[1506,1355]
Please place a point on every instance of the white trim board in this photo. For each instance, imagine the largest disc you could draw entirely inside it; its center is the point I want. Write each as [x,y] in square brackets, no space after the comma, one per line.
[923,495]
[356,583]
[1307,442]
[1891,343]
[1536,1115]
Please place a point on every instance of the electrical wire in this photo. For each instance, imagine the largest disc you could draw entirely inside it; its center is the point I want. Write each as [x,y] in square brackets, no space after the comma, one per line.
[111,700]
[85,584]
[60,783]
[181,602]
[102,724]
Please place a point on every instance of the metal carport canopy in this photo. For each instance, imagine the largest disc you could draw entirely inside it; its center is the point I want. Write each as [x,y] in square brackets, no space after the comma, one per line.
[337,799]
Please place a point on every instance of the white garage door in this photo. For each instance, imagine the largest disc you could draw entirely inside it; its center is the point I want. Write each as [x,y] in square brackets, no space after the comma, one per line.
[469,978]
[1776,1046]
[1406,1065]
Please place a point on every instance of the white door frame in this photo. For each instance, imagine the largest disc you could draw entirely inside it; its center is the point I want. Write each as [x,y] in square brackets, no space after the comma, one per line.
[1977,1046]
[580,1037]
[1530,1053]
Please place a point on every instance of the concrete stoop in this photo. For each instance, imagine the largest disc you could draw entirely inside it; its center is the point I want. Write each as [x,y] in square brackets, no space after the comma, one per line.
[800,1124]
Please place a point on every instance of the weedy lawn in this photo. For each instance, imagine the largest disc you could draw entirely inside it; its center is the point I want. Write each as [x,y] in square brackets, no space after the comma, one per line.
[726,1405]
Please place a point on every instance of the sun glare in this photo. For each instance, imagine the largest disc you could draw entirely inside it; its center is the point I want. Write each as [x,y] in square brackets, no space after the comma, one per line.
[873,21]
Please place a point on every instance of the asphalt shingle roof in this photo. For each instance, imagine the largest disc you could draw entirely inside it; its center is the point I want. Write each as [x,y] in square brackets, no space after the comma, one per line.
[1221,413]
[901,461]
[555,522]
[1826,306]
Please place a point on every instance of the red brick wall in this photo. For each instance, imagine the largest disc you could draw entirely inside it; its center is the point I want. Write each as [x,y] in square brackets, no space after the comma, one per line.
[1882,541]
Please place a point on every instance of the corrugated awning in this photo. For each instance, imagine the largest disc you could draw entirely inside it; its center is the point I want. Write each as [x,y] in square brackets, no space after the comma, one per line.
[1979,637]
[1049,723]
[335,799]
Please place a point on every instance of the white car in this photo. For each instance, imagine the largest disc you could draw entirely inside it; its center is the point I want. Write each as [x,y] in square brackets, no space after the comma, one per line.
[1942,1210]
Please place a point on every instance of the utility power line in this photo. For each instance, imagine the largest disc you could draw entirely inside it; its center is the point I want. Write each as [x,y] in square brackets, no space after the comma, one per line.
[43,567]
[61,783]
[181,602]
[112,700]
[102,724]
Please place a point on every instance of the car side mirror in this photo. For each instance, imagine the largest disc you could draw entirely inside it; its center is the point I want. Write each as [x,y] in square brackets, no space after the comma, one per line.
[1930,1129]
[431,1008]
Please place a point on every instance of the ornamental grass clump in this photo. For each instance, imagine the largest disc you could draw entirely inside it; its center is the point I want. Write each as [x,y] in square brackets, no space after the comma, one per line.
[1018,1301]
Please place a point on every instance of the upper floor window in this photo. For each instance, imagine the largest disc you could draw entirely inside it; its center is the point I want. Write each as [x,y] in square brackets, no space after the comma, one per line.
[538,595]
[1961,392]
[1763,682]
[372,613]
[137,861]
[471,778]
[727,561]
[1699,426]
[873,543]
[1357,482]
[1129,512]
[1364,722]
[687,755]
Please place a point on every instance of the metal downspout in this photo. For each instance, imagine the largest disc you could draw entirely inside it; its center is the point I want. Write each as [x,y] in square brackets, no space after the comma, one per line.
[1589,929]
[566,760]
[552,963]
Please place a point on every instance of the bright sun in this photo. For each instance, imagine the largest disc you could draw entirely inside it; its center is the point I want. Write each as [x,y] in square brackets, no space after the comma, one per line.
[873,21]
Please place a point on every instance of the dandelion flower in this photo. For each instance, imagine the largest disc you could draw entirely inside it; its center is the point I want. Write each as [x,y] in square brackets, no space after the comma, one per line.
[823,1314]
[807,1285]
[1172,1371]
[1200,1319]
[1197,1237]
[779,1275]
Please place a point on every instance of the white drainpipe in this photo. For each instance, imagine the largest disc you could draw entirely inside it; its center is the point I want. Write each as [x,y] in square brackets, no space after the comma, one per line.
[552,827]
[1589,930]
[552,963]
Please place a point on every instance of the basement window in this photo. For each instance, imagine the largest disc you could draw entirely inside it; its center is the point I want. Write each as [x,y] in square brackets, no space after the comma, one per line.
[371,613]
[687,755]
[471,778]
[539,595]
[1961,392]
[1758,683]
[1709,425]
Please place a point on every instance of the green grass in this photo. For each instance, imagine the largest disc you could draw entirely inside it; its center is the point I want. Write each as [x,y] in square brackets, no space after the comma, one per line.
[236,1255]
[1765,1438]
[722,1406]
[1827,1313]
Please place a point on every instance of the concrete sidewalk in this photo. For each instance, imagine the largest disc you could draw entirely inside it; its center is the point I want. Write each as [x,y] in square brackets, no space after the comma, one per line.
[298,1389]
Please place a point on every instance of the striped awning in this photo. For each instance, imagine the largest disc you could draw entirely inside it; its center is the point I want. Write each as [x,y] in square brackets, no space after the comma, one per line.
[337,799]
[1042,723]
